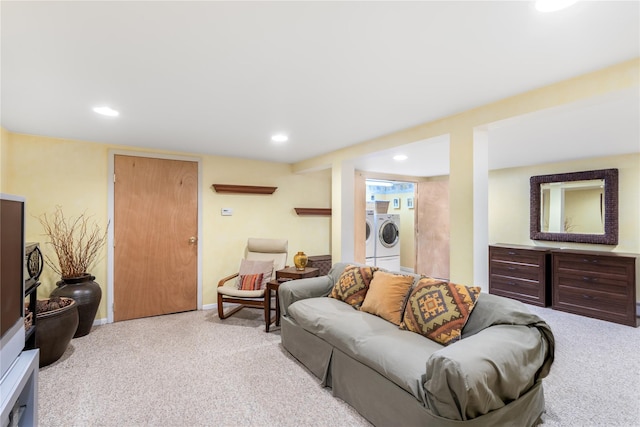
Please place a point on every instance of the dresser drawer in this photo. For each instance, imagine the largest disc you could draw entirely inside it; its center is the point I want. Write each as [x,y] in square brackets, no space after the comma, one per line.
[522,256]
[615,266]
[520,271]
[593,303]
[508,285]
[593,281]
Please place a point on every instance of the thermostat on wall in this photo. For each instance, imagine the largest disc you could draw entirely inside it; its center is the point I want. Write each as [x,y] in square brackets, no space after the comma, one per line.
[226,211]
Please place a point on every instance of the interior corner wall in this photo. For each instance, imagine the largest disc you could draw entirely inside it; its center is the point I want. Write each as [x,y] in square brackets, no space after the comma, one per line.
[74,174]
[509,202]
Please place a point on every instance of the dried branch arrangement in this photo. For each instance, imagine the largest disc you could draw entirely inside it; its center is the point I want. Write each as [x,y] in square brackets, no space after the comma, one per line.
[75,241]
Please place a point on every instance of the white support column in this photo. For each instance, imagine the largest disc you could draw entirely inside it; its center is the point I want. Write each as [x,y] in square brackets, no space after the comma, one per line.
[342,211]
[481,208]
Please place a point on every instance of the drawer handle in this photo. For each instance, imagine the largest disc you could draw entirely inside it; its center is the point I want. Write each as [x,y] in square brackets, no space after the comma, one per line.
[511,268]
[511,253]
[590,279]
[589,297]
[592,261]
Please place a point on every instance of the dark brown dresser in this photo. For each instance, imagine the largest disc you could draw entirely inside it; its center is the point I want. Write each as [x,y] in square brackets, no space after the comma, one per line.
[520,272]
[601,285]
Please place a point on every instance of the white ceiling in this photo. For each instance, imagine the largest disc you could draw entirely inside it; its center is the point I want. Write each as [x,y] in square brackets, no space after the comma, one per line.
[221,77]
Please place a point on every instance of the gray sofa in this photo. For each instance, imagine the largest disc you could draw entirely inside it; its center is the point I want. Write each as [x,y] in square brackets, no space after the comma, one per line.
[392,377]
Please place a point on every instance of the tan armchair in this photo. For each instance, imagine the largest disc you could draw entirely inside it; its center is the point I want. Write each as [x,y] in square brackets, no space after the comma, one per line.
[275,250]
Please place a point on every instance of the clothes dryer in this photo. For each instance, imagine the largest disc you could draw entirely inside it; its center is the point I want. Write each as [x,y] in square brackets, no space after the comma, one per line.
[388,241]
[370,236]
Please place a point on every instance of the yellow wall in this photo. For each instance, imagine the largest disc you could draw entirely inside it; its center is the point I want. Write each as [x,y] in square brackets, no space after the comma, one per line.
[509,201]
[73,174]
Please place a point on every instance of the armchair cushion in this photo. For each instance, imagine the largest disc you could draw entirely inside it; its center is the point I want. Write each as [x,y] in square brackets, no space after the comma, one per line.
[439,310]
[252,267]
[232,291]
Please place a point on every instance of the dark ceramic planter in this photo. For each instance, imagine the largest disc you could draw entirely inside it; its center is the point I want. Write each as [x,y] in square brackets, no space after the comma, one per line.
[54,330]
[87,295]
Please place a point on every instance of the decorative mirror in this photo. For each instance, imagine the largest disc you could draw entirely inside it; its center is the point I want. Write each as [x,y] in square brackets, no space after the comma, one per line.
[575,207]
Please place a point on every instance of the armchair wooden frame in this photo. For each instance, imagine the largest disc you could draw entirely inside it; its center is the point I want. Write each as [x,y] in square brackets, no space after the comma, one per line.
[259,302]
[258,249]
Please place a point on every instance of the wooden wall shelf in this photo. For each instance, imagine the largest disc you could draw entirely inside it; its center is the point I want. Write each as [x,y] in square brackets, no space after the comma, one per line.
[313,211]
[243,189]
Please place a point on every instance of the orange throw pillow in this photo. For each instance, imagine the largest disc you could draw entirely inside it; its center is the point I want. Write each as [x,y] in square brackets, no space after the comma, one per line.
[386,295]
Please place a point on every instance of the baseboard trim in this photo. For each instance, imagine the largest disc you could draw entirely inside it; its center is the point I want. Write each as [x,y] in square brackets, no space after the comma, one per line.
[104,320]
[637,309]
[98,322]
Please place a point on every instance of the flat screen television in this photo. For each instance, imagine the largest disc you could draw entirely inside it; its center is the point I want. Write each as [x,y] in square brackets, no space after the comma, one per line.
[12,333]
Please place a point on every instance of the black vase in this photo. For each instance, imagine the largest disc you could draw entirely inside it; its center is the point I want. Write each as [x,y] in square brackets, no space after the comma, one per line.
[54,330]
[87,295]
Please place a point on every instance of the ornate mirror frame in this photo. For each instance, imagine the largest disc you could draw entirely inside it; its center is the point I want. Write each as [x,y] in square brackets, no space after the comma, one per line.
[610,236]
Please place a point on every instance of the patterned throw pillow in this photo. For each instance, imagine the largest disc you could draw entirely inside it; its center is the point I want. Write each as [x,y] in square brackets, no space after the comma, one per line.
[439,310]
[250,267]
[251,282]
[386,295]
[353,284]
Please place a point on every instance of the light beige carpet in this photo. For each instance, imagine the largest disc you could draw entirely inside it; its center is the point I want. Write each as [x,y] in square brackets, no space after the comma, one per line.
[191,369]
[188,369]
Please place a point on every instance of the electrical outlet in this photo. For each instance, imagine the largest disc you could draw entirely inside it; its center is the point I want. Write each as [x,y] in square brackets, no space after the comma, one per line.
[226,211]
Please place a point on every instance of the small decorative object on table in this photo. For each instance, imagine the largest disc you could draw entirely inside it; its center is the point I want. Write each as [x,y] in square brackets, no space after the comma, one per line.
[300,260]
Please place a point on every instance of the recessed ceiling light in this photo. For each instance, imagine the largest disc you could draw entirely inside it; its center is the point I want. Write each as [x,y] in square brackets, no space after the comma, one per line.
[400,157]
[106,111]
[553,5]
[280,138]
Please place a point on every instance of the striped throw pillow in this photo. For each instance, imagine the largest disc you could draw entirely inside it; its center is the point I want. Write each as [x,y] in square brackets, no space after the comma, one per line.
[251,282]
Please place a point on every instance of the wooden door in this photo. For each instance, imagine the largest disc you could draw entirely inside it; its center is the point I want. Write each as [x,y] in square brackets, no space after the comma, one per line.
[432,228]
[155,231]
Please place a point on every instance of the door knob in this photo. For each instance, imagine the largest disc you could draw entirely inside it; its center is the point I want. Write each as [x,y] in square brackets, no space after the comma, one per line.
[192,240]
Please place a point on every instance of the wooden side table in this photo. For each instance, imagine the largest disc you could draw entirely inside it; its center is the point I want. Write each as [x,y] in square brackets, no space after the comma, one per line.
[284,275]
[294,273]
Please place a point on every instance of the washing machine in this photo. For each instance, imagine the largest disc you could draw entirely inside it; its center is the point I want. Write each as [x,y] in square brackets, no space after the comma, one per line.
[371,238]
[387,228]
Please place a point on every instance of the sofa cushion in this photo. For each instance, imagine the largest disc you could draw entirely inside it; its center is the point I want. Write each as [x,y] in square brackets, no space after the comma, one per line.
[353,283]
[439,310]
[398,355]
[386,295]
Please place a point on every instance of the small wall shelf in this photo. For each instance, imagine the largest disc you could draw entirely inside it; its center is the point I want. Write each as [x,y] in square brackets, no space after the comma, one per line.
[243,189]
[313,211]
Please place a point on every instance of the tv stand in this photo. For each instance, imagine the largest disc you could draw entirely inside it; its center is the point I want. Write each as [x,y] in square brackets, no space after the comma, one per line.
[19,391]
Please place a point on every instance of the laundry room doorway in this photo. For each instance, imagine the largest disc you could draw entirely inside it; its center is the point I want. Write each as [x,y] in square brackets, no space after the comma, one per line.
[390,206]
